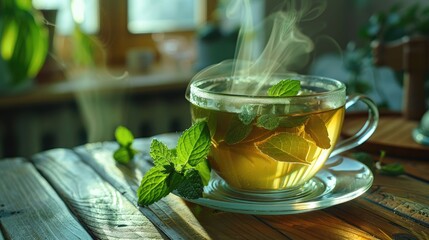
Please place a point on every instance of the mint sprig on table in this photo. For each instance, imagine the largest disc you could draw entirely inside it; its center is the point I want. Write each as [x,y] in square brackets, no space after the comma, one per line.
[376,166]
[184,168]
[125,153]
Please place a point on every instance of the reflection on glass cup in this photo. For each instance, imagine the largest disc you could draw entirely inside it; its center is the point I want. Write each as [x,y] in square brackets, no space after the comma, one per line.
[264,143]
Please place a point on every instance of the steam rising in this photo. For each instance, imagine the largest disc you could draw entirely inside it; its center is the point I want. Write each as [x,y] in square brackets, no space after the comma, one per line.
[102,108]
[285,45]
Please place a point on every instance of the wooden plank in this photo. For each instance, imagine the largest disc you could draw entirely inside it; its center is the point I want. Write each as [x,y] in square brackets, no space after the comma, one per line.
[11,163]
[382,211]
[177,218]
[415,211]
[30,208]
[379,222]
[315,225]
[104,211]
[393,135]
[126,181]
[404,186]
[225,225]
[413,167]
[369,220]
[394,193]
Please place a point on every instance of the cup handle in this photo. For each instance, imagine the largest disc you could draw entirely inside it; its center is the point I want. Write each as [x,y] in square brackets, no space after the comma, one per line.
[365,132]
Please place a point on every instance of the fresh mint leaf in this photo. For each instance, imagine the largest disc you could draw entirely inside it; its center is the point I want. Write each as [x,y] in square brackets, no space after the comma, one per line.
[173,151]
[188,184]
[237,132]
[392,169]
[184,168]
[175,179]
[123,136]
[124,155]
[284,88]
[153,186]
[191,186]
[160,153]
[169,168]
[194,144]
[268,121]
[204,170]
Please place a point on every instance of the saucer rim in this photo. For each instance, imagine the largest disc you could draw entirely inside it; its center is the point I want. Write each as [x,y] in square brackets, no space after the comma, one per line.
[277,208]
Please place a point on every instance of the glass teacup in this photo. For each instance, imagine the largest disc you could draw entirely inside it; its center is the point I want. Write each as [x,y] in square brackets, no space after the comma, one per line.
[262,143]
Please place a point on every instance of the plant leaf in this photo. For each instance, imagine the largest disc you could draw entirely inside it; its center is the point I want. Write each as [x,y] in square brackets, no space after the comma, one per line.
[292,121]
[194,144]
[124,155]
[237,132]
[153,186]
[40,42]
[268,121]
[9,38]
[203,169]
[285,147]
[247,114]
[124,136]
[284,88]
[392,169]
[191,186]
[316,128]
[160,153]
[174,180]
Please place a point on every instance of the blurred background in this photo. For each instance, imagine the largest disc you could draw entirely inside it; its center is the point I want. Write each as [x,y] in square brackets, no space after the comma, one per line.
[103,63]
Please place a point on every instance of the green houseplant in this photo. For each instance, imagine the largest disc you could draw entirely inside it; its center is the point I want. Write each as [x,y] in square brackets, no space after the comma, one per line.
[23,43]
[396,23]
[386,26]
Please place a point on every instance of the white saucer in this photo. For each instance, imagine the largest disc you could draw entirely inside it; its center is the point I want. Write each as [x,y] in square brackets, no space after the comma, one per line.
[342,179]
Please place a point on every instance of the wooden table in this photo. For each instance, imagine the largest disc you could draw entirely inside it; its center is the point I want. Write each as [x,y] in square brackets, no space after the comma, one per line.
[82,193]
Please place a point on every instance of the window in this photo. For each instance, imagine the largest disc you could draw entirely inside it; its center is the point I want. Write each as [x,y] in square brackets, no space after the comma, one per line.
[126,24]
[148,16]
[86,14]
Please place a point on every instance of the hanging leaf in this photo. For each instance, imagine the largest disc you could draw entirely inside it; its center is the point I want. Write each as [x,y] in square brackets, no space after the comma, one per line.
[316,128]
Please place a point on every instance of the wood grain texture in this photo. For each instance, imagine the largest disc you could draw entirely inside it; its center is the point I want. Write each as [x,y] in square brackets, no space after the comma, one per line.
[392,135]
[406,197]
[11,163]
[177,218]
[377,221]
[416,168]
[104,211]
[30,208]
[315,225]
[127,179]
[382,217]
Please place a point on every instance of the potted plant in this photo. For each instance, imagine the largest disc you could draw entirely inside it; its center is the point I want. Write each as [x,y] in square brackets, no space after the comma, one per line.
[23,43]
[398,39]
